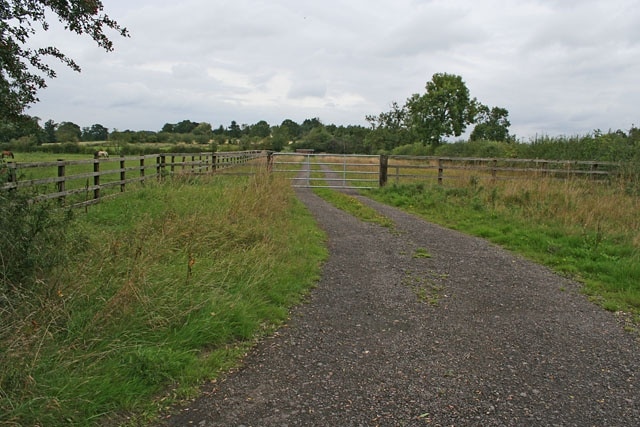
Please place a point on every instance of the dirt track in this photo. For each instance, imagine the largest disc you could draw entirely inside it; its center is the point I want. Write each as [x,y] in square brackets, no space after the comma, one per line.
[469,336]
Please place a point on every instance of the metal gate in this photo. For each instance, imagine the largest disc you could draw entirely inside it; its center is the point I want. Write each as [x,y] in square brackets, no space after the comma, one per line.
[348,171]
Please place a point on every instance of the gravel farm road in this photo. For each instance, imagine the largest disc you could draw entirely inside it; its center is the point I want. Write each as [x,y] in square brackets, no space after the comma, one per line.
[423,326]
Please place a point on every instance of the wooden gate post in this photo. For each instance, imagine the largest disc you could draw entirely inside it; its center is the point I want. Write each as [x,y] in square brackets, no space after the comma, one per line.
[384,170]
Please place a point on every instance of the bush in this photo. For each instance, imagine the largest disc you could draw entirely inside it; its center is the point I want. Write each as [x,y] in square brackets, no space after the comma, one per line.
[30,243]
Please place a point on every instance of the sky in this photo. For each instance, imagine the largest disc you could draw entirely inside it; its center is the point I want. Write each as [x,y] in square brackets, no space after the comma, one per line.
[560,67]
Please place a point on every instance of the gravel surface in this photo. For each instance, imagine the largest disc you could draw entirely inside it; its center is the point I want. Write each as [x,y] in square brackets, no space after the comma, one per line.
[420,325]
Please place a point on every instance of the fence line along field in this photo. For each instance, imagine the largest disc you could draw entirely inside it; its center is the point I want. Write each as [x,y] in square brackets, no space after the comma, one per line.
[369,171]
[80,181]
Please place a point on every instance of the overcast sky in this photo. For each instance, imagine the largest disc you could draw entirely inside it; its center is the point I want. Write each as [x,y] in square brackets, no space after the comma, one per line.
[560,67]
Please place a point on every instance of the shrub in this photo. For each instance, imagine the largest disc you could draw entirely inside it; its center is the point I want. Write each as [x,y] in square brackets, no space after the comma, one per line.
[30,242]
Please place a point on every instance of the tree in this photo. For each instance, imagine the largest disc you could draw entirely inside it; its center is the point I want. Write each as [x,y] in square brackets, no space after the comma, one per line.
[293,129]
[388,129]
[50,131]
[185,126]
[96,132]
[234,130]
[68,132]
[444,110]
[492,124]
[23,70]
[203,133]
[309,124]
[20,127]
[260,129]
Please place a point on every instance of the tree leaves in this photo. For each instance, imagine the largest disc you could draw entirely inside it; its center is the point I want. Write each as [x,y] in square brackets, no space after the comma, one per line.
[22,69]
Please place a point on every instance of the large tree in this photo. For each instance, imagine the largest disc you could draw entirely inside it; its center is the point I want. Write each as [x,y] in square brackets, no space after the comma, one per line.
[444,110]
[23,70]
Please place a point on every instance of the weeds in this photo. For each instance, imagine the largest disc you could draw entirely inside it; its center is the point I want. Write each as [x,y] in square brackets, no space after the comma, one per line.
[174,283]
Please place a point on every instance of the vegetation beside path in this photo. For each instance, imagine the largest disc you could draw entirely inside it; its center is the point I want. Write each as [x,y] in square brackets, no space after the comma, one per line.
[586,230]
[159,289]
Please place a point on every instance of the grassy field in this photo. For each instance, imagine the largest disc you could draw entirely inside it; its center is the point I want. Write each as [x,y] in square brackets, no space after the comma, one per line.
[586,230]
[162,288]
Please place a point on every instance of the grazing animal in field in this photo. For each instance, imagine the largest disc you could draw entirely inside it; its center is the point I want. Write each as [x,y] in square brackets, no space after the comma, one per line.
[7,153]
[101,153]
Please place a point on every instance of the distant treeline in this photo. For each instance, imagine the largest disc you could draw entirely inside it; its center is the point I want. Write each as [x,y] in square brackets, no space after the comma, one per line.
[189,136]
[611,146]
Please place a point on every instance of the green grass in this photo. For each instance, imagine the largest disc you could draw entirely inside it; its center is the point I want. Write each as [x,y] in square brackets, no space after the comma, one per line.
[166,287]
[603,254]
[353,206]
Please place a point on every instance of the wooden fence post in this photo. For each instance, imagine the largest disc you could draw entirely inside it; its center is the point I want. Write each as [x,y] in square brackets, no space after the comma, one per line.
[214,160]
[160,164]
[142,169]
[61,182]
[12,178]
[122,175]
[494,170]
[384,170]
[269,161]
[440,171]
[96,177]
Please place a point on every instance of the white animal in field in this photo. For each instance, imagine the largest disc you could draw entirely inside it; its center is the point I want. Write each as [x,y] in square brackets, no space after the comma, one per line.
[101,153]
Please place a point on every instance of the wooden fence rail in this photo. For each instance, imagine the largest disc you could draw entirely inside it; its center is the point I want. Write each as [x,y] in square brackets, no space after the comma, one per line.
[359,171]
[404,168]
[83,182]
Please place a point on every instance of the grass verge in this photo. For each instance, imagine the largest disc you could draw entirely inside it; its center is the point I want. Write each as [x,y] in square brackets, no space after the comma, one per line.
[168,286]
[353,206]
[588,231]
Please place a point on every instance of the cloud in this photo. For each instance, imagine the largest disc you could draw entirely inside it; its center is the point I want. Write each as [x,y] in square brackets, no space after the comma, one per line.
[558,67]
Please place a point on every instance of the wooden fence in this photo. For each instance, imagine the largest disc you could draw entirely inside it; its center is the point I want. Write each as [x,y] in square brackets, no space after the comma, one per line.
[83,182]
[366,171]
[408,168]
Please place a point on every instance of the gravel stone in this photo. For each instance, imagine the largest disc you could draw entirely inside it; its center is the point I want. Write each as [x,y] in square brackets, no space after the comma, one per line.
[470,336]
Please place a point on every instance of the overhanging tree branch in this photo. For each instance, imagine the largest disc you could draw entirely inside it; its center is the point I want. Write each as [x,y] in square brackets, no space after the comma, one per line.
[22,69]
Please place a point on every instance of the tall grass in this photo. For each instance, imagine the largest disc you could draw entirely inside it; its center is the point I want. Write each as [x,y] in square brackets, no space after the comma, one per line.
[587,230]
[170,285]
